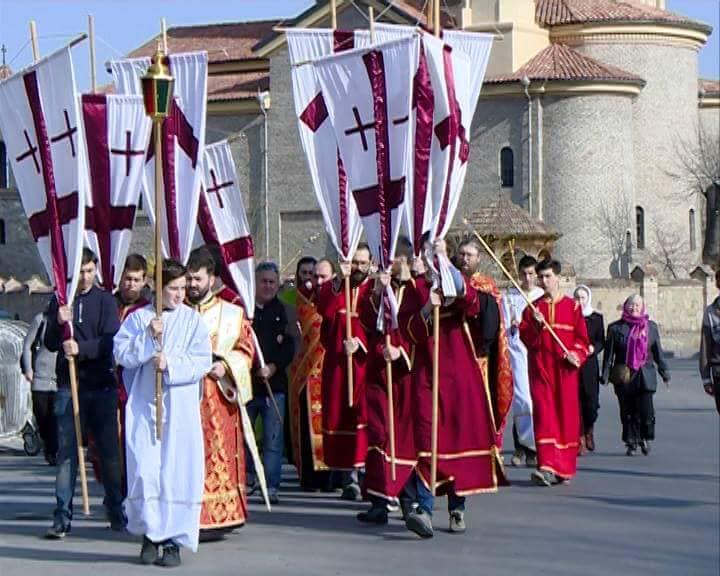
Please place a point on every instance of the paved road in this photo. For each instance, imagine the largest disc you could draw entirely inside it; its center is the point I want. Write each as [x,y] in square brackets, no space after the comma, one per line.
[657,515]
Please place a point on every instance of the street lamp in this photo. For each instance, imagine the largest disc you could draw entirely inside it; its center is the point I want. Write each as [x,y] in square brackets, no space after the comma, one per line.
[157,89]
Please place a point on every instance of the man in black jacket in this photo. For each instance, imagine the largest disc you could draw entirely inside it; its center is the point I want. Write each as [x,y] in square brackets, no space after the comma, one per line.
[94,320]
[277,347]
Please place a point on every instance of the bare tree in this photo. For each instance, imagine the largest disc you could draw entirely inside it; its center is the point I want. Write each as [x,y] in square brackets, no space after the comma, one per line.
[668,249]
[698,167]
[613,222]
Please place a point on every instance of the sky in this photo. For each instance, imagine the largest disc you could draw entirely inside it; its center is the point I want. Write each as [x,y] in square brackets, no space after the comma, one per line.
[122,25]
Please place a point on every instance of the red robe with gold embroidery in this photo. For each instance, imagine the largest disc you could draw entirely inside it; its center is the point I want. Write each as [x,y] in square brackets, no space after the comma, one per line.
[554,381]
[345,440]
[224,499]
[469,460]
[378,471]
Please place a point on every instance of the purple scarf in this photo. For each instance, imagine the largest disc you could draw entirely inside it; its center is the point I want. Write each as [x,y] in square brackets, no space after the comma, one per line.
[637,344]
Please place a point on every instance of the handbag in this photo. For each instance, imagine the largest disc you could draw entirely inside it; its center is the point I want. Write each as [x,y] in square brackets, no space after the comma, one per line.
[620,374]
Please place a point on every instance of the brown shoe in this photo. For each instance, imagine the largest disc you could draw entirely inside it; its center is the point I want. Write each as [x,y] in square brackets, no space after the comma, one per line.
[590,440]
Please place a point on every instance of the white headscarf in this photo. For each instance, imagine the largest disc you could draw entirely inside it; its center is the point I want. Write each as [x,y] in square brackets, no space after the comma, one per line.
[587,309]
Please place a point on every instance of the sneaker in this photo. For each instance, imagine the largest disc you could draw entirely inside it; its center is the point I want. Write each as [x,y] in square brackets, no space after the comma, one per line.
[559,480]
[375,515]
[531,460]
[407,506]
[171,556]
[631,449]
[457,521]
[645,447]
[517,459]
[57,531]
[420,522]
[148,552]
[352,493]
[541,478]
[274,498]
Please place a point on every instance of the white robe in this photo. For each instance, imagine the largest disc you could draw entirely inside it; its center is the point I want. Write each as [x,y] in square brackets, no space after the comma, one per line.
[513,306]
[165,478]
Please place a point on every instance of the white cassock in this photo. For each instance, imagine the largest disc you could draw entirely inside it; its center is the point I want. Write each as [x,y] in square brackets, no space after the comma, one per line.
[165,478]
[513,306]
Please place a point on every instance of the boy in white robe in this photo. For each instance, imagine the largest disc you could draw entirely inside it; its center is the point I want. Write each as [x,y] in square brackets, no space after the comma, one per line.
[165,477]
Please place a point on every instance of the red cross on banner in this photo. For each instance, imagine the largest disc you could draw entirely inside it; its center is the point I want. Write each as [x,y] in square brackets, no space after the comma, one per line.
[360,128]
[216,188]
[128,152]
[68,134]
[31,151]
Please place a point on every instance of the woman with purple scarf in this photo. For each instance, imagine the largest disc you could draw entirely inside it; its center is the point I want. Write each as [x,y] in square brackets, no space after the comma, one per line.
[632,353]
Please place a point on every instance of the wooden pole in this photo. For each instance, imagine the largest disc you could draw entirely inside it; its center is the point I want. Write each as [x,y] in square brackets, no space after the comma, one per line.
[348,336]
[72,368]
[34,41]
[158,267]
[333,14]
[517,286]
[436,17]
[371,18]
[435,398]
[391,411]
[429,15]
[91,35]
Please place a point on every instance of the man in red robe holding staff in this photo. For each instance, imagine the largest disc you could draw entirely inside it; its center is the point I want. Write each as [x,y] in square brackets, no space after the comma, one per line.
[553,374]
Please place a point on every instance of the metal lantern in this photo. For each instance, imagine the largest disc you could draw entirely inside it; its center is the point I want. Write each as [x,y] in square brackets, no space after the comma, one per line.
[157,87]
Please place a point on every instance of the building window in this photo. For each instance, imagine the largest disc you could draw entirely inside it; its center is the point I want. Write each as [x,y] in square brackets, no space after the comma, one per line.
[2,231]
[693,244]
[640,227]
[507,167]
[3,166]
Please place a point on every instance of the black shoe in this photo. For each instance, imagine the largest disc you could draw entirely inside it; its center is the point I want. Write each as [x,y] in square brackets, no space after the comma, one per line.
[631,449]
[170,557]
[407,506]
[375,515]
[420,522]
[148,552]
[351,493]
[457,521]
[57,531]
[118,525]
[645,447]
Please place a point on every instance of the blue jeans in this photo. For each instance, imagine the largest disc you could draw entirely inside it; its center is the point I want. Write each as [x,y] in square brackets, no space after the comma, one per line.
[416,490]
[273,436]
[98,415]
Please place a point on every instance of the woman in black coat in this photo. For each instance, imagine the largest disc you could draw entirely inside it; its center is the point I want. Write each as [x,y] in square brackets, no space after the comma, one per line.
[633,353]
[590,371]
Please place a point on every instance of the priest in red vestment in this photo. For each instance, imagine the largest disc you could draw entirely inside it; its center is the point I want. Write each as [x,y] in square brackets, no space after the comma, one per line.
[469,460]
[226,389]
[345,440]
[378,485]
[553,375]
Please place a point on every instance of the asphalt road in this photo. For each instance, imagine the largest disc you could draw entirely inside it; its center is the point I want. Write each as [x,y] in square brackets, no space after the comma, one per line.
[657,515]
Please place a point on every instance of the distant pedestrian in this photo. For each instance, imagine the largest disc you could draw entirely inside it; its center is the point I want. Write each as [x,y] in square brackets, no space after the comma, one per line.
[632,352]
[590,371]
[710,348]
[39,369]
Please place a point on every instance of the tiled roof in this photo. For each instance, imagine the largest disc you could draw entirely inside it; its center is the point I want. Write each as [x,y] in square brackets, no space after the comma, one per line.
[709,87]
[236,86]
[503,218]
[560,62]
[224,42]
[559,12]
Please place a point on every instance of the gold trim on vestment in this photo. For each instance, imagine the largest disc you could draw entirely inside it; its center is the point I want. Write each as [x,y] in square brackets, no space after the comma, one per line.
[554,442]
[385,456]
[344,432]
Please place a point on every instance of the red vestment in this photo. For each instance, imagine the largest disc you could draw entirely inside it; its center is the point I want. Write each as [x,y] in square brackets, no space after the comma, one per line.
[344,427]
[378,473]
[554,381]
[469,460]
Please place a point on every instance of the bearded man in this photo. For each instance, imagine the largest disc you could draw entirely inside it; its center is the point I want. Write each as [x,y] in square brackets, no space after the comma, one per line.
[226,389]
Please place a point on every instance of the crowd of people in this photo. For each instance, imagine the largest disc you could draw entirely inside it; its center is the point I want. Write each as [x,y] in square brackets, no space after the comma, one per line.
[351,406]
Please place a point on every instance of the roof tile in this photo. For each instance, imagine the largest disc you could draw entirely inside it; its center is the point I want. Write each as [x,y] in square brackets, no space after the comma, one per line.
[503,218]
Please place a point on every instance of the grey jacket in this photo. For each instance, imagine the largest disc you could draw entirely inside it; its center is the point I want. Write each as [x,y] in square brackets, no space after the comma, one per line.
[44,378]
[644,379]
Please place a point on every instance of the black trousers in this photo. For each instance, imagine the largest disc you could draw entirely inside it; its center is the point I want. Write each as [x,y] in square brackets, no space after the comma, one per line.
[637,415]
[716,395]
[589,402]
[44,411]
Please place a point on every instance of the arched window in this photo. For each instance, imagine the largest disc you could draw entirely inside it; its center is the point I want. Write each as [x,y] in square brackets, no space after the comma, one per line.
[640,227]
[3,166]
[693,243]
[507,167]
[2,231]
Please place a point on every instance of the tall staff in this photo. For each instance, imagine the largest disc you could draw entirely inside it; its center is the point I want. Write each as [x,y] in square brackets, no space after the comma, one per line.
[157,87]
[72,368]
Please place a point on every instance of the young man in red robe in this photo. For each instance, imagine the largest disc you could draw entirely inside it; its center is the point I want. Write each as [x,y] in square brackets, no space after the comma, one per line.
[379,486]
[345,440]
[469,460]
[554,376]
